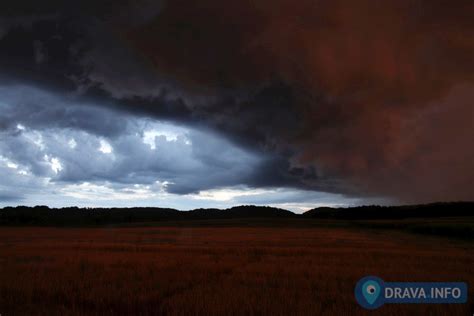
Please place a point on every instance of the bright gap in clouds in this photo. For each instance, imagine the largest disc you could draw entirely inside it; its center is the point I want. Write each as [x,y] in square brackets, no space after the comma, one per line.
[58,152]
[105,147]
[56,165]
[167,131]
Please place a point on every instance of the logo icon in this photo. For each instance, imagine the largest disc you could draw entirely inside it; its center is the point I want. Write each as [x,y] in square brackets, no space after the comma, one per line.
[371,291]
[368,292]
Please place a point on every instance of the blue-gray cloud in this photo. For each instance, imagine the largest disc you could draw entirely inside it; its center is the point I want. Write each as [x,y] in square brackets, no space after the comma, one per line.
[71,142]
[56,149]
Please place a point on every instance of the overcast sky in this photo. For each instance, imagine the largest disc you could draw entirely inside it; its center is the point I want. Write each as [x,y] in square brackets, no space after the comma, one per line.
[217,103]
[59,151]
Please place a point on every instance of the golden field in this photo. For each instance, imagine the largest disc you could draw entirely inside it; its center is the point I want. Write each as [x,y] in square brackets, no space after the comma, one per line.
[218,270]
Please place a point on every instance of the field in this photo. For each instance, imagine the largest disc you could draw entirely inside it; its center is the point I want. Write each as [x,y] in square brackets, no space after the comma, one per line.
[228,270]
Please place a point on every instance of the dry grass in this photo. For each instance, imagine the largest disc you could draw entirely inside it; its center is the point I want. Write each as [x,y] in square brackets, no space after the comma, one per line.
[217,271]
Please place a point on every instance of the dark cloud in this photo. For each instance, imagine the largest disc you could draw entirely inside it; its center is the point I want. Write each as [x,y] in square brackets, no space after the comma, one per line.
[363,98]
[358,73]
[39,109]
[71,142]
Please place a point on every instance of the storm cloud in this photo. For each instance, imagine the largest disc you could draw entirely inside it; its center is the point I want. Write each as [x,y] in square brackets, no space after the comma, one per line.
[56,147]
[76,142]
[363,99]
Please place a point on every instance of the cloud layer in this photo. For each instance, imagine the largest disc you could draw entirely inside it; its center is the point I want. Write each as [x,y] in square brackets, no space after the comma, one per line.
[75,142]
[364,99]
[59,151]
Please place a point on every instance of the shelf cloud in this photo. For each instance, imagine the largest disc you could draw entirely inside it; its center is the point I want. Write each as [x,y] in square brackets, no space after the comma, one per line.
[361,100]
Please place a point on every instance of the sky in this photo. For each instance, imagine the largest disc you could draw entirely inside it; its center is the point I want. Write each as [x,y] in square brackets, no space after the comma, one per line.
[190,104]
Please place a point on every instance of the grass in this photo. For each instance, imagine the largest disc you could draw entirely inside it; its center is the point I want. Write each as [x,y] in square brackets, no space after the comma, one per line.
[223,270]
[455,227]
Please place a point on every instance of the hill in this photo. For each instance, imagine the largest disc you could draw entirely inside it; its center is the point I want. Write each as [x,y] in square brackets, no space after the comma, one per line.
[433,210]
[74,216]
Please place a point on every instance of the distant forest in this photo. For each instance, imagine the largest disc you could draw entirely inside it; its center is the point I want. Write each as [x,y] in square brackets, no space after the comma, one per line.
[74,216]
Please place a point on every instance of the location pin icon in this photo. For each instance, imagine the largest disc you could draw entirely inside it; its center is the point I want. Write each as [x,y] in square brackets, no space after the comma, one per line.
[371,291]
